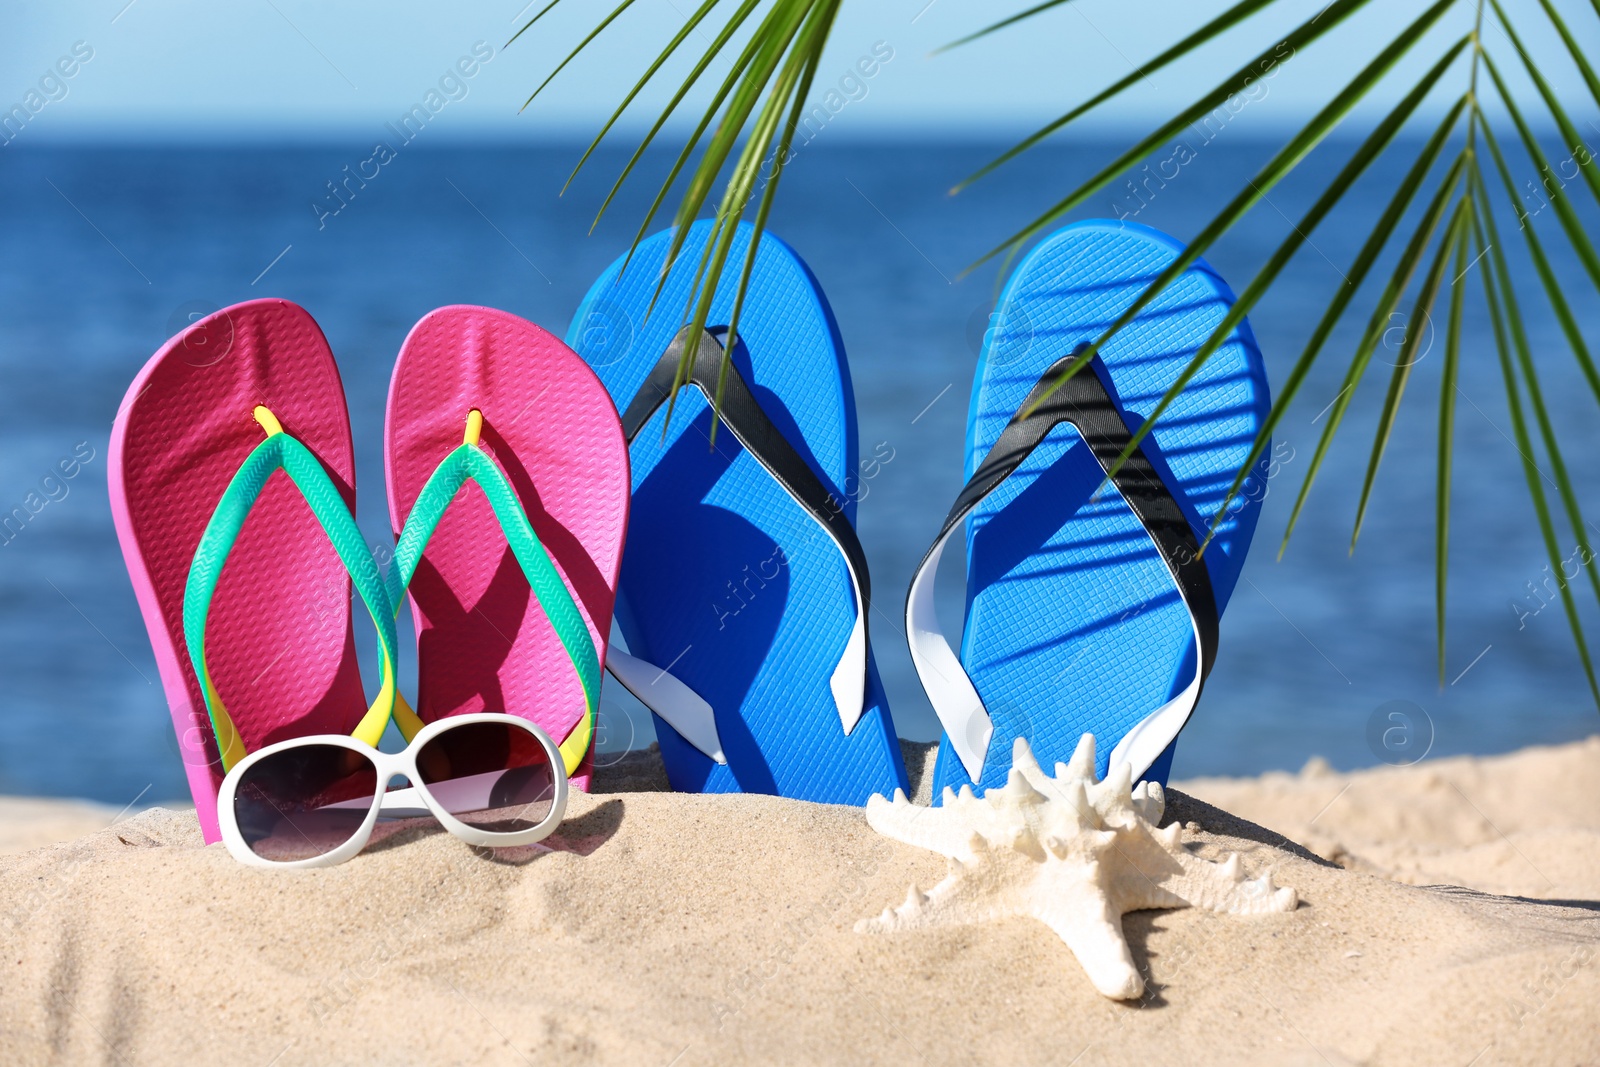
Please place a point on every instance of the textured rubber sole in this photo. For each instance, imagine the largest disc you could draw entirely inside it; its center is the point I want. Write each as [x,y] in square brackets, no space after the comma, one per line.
[1073,624]
[278,641]
[483,642]
[727,582]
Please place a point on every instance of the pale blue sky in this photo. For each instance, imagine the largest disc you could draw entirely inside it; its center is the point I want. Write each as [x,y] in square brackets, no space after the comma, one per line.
[252,68]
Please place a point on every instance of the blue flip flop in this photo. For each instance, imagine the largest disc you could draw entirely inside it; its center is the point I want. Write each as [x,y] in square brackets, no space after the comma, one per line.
[742,574]
[1088,609]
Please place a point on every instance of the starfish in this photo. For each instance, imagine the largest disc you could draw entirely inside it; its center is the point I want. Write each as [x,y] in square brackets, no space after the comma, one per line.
[1070,851]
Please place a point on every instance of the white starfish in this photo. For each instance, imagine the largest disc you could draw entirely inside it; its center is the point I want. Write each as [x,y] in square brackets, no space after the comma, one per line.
[1070,851]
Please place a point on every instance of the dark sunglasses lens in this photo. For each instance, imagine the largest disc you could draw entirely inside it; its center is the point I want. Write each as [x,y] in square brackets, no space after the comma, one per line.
[304,802]
[492,775]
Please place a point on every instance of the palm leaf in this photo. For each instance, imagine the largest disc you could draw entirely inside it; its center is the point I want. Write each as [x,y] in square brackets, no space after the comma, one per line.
[1573,50]
[1421,314]
[1569,132]
[1447,427]
[747,167]
[1492,275]
[1227,20]
[542,12]
[1569,220]
[689,27]
[818,21]
[1331,16]
[1364,157]
[769,44]
[597,31]
[1375,244]
[767,62]
[739,65]
[1547,277]
[780,158]
[1376,326]
[1009,20]
[1287,158]
[693,77]
[1524,357]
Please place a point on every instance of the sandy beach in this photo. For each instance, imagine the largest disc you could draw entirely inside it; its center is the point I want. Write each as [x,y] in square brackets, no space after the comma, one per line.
[1450,914]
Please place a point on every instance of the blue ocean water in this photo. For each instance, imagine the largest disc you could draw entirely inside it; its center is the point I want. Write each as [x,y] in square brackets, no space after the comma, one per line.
[110,249]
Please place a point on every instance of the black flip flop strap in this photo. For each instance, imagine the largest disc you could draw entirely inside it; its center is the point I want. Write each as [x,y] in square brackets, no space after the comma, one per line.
[751,427]
[1083,402]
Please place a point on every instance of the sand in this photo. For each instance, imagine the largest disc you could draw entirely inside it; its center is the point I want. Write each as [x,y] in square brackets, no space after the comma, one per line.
[27,823]
[1526,824]
[667,929]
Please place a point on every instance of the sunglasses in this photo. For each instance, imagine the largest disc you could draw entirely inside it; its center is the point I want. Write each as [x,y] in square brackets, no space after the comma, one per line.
[493,780]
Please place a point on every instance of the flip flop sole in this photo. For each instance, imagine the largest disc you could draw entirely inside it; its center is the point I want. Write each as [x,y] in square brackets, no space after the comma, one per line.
[727,582]
[1073,624]
[279,636]
[483,643]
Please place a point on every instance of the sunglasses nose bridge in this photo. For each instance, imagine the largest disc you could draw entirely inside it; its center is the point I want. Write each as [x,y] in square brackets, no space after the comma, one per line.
[390,767]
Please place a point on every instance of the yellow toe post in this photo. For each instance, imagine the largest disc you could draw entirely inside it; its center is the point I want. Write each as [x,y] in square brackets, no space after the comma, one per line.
[230,746]
[269,422]
[576,744]
[474,427]
[405,718]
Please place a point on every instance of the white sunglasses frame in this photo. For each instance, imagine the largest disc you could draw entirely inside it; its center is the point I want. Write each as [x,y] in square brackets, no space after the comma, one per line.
[390,766]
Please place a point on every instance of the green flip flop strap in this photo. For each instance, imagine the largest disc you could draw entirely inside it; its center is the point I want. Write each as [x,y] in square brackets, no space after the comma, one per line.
[280,451]
[470,462]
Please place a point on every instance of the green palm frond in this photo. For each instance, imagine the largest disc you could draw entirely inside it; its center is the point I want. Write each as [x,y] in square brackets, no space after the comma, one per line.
[1447,436]
[759,103]
[1204,35]
[1496,276]
[1377,325]
[1416,331]
[1439,222]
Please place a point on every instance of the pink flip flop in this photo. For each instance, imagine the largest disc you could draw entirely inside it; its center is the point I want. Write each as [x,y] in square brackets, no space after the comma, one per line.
[485,640]
[278,634]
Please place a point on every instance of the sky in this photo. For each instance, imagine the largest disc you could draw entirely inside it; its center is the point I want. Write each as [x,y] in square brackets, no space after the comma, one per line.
[253,69]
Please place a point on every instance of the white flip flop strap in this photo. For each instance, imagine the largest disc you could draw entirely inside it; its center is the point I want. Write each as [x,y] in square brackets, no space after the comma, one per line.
[954,698]
[1084,403]
[669,698]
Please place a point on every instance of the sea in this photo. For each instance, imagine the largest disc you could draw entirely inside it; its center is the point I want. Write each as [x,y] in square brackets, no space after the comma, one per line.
[109,248]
